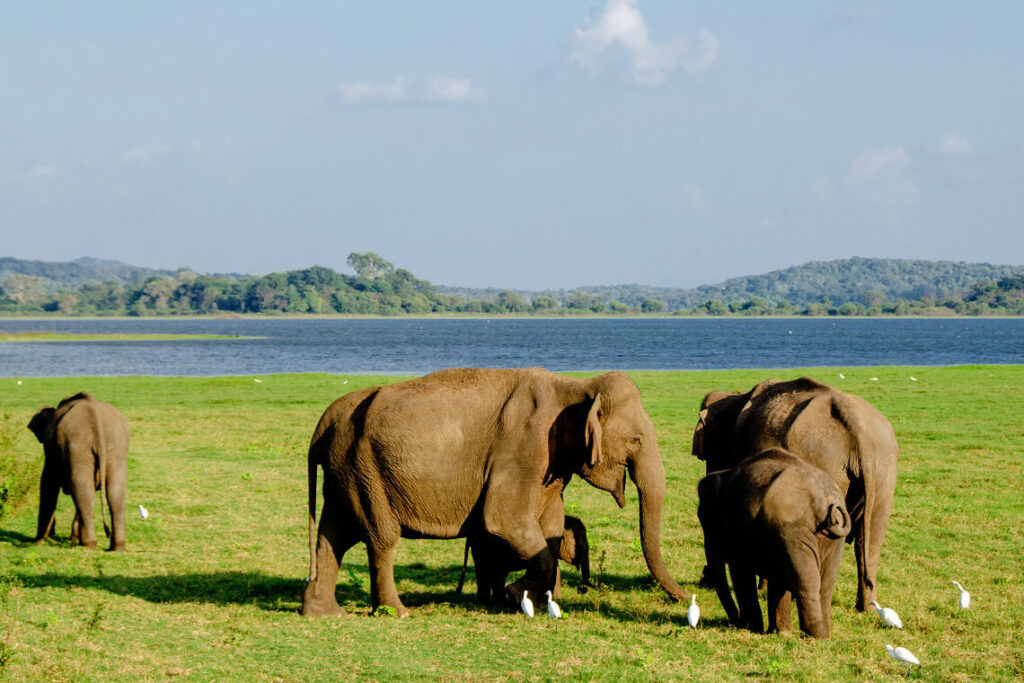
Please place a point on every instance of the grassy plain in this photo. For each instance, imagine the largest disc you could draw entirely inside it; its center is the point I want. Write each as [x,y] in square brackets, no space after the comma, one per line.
[210,586]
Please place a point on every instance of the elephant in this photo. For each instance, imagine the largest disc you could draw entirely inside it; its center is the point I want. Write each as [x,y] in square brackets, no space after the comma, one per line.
[840,433]
[466,451]
[85,448]
[776,516]
[492,561]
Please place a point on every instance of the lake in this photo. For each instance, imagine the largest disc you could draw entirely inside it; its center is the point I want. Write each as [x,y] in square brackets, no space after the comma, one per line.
[408,346]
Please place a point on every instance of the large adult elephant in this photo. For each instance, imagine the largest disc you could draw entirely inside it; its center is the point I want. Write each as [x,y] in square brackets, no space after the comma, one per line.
[840,433]
[85,448]
[465,451]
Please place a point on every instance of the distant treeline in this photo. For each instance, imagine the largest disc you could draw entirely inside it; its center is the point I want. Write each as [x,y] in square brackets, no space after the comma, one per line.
[378,288]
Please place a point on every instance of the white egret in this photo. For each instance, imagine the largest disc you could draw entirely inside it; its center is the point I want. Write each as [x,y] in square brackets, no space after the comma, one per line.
[888,615]
[526,604]
[554,611]
[965,597]
[902,654]
[693,612]
[873,379]
[257,380]
[143,512]
[842,376]
[913,379]
[19,381]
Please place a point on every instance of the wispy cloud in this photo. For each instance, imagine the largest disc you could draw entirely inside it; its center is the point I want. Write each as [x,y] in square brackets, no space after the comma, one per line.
[620,29]
[884,173]
[440,89]
[955,145]
[141,154]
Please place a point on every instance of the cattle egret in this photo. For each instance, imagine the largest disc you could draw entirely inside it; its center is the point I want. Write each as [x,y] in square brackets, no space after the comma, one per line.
[257,380]
[965,597]
[873,379]
[902,654]
[842,376]
[913,379]
[19,381]
[889,616]
[693,612]
[526,605]
[554,612]
[143,512]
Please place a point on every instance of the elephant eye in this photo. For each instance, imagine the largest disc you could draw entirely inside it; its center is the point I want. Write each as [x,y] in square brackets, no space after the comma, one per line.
[637,441]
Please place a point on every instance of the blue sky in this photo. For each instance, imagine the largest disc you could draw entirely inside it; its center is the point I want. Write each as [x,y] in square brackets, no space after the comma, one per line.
[528,145]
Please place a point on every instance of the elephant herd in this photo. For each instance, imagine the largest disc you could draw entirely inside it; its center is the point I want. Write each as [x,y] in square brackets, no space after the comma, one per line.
[794,469]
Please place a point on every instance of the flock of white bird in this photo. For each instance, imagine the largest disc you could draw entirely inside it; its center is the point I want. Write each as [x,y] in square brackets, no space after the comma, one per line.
[886,614]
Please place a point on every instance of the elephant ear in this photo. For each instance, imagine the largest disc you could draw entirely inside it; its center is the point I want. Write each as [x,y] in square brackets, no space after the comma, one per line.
[41,424]
[698,435]
[594,432]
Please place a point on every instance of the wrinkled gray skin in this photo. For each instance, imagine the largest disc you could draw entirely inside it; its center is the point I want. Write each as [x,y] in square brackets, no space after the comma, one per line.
[493,560]
[468,451]
[85,447]
[775,516]
[839,433]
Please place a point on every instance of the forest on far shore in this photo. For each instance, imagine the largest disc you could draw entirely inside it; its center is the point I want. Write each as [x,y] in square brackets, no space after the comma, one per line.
[849,287]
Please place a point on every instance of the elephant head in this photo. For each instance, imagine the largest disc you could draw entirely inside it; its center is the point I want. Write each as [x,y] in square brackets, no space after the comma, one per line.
[41,424]
[714,435]
[620,440]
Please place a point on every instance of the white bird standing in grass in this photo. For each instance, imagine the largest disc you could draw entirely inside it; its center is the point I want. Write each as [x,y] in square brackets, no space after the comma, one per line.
[842,376]
[693,612]
[888,615]
[526,604]
[554,611]
[965,597]
[143,512]
[902,654]
[913,379]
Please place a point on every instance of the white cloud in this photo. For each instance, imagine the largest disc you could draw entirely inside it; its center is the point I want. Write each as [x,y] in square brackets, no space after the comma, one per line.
[871,162]
[620,27]
[884,174]
[442,89]
[144,153]
[374,93]
[955,145]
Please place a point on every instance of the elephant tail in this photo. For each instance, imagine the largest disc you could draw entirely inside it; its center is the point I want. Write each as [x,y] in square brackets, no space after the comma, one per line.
[465,564]
[837,521]
[101,463]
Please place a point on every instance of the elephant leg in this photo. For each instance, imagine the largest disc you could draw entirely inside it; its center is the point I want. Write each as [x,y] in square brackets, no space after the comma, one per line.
[507,517]
[319,597]
[744,581]
[49,490]
[829,570]
[805,571]
[116,494]
[83,492]
[75,529]
[780,607]
[381,555]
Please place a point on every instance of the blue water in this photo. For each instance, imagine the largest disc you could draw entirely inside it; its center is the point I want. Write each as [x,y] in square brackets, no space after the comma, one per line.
[403,346]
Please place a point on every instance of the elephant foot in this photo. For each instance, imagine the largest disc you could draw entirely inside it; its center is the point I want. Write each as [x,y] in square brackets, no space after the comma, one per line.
[312,609]
[90,545]
[514,592]
[117,547]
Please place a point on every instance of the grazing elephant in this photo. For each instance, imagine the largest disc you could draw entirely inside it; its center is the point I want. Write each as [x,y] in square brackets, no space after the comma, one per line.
[839,433]
[85,447]
[493,560]
[468,451]
[776,516]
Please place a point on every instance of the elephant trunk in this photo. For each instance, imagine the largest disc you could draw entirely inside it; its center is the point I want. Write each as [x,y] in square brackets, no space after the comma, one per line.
[648,474]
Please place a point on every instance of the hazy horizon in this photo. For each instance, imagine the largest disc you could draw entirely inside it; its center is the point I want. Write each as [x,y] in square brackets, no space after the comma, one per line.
[530,146]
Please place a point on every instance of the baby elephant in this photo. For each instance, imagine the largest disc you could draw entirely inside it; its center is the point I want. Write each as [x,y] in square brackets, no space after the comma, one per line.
[775,516]
[85,447]
[492,562]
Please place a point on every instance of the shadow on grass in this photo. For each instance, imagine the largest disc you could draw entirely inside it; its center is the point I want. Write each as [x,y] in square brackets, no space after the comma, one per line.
[16,539]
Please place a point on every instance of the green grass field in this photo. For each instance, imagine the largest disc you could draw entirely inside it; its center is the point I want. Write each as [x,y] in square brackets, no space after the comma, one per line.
[210,586]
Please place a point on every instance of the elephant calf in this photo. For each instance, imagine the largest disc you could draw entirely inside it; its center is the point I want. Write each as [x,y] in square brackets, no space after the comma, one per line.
[775,516]
[85,447]
[493,560]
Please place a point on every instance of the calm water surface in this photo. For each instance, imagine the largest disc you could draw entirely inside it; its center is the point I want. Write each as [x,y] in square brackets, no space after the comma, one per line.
[403,346]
